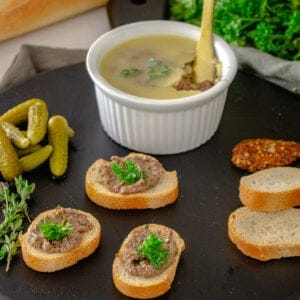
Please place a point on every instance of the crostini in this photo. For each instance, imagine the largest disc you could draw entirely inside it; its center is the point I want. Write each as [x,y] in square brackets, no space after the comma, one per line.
[59,238]
[136,181]
[145,265]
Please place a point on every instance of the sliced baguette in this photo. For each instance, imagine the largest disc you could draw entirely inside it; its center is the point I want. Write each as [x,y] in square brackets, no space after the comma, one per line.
[50,262]
[271,189]
[141,287]
[265,235]
[21,16]
[162,194]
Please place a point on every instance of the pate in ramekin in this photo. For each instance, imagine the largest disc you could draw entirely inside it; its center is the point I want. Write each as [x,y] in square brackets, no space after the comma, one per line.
[159,126]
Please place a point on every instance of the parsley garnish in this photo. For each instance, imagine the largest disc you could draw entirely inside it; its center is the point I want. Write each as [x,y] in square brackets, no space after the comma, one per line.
[152,249]
[128,172]
[157,69]
[14,211]
[269,25]
[130,72]
[53,231]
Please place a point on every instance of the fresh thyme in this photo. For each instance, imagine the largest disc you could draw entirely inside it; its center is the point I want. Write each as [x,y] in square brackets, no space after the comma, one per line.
[15,210]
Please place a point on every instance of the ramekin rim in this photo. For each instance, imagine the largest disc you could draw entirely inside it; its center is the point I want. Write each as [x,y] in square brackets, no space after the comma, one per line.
[148,103]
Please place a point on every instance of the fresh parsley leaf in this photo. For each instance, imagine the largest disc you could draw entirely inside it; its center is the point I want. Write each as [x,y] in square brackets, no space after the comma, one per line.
[152,249]
[53,231]
[272,26]
[157,69]
[128,172]
[130,72]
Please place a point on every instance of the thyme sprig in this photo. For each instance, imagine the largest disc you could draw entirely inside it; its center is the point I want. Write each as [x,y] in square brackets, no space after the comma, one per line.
[15,210]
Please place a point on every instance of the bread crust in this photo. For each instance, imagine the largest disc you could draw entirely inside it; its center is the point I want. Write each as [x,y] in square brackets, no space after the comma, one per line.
[50,262]
[262,199]
[164,193]
[145,288]
[268,201]
[21,16]
[259,252]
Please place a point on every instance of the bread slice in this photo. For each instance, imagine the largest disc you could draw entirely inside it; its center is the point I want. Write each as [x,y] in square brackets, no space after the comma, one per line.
[21,16]
[141,287]
[265,235]
[271,189]
[162,194]
[41,261]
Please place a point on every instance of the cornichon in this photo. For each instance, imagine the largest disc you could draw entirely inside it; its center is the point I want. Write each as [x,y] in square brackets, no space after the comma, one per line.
[28,150]
[58,135]
[19,113]
[15,135]
[34,159]
[71,132]
[37,122]
[10,166]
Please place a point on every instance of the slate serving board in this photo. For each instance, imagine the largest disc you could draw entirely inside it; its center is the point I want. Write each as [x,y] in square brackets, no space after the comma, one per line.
[211,267]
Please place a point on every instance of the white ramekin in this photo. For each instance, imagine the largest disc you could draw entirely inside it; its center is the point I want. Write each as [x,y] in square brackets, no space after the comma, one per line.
[159,126]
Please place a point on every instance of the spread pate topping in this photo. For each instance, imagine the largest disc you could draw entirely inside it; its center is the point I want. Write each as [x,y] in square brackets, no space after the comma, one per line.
[144,168]
[138,265]
[78,222]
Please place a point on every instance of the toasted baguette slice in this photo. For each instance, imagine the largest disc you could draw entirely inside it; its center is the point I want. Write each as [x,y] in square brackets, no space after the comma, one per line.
[49,262]
[271,189]
[265,235]
[141,287]
[162,194]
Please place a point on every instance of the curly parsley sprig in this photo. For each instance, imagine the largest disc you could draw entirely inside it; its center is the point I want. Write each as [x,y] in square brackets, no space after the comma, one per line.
[128,172]
[54,231]
[153,250]
[14,211]
[269,25]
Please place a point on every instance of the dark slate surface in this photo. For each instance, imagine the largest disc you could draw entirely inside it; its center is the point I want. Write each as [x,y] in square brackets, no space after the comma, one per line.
[211,267]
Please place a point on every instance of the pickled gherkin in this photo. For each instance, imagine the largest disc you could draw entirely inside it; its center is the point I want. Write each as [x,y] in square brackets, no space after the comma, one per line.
[28,138]
[15,135]
[28,150]
[10,166]
[36,158]
[58,136]
[37,122]
[19,113]
[71,132]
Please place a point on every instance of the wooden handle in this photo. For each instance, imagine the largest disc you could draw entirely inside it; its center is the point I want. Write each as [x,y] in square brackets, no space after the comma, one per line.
[204,63]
